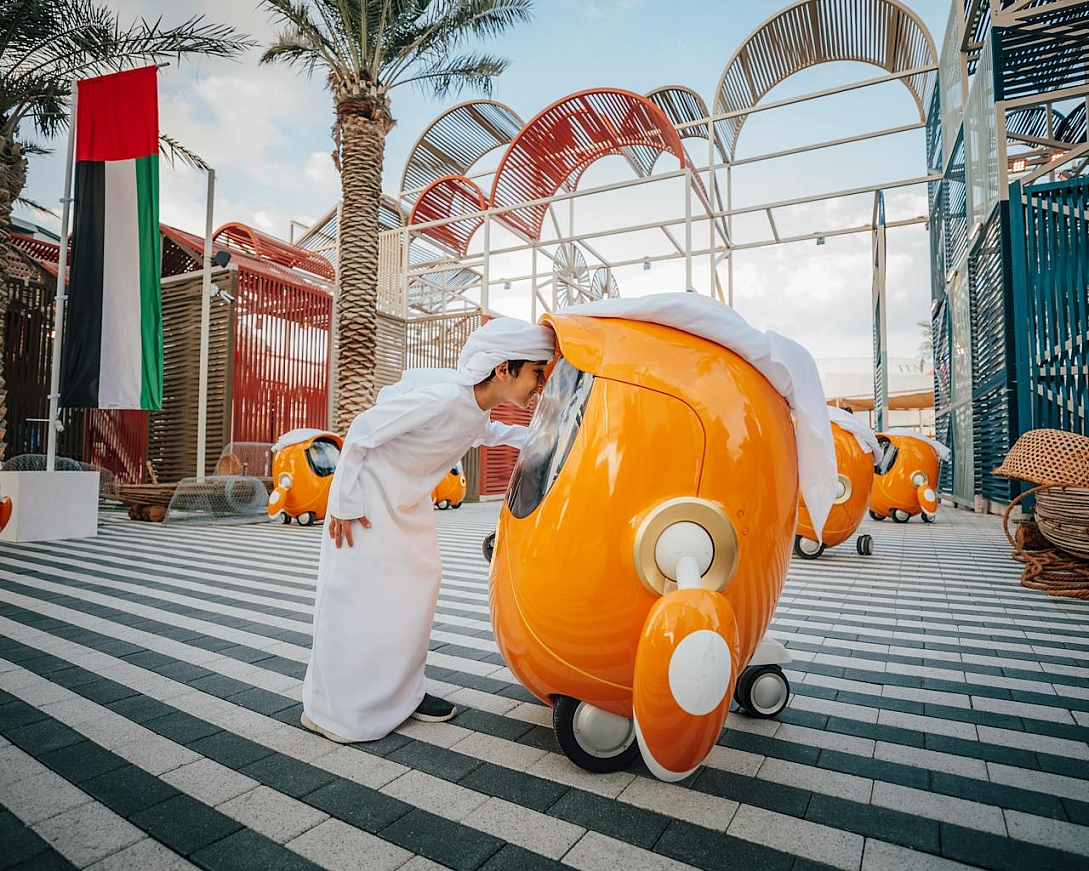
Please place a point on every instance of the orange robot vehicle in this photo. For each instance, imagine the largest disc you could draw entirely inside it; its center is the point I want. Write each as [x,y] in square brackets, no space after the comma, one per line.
[303,464]
[907,476]
[647,531]
[857,451]
[450,491]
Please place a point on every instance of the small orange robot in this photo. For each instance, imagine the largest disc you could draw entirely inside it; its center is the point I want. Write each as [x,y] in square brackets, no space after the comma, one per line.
[907,476]
[635,603]
[857,450]
[450,491]
[302,469]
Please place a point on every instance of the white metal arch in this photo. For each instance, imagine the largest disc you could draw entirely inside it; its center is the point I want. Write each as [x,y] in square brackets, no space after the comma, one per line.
[884,33]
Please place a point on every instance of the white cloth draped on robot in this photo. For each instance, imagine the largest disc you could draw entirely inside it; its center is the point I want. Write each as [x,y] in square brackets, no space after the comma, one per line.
[944,454]
[786,364]
[498,340]
[865,436]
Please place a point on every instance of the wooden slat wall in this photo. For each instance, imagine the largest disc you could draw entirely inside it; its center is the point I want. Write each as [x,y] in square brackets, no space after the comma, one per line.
[390,353]
[172,432]
[497,464]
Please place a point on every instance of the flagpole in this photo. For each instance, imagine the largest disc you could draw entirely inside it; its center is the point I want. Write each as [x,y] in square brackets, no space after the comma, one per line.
[205,330]
[62,294]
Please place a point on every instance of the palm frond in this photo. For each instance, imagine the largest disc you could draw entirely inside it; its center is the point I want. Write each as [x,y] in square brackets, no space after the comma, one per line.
[36,206]
[172,150]
[453,75]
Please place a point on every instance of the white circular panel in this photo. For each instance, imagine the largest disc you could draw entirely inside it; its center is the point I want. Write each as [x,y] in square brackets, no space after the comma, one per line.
[699,672]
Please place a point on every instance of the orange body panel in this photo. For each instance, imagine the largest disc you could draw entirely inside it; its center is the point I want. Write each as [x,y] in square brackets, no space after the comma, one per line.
[451,489]
[895,488]
[856,465]
[673,736]
[668,415]
[309,491]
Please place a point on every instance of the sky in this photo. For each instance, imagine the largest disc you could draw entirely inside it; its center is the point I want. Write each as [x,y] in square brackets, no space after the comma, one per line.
[266,130]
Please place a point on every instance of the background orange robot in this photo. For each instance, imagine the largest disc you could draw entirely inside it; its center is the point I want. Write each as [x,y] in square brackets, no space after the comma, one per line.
[635,603]
[303,464]
[857,450]
[907,476]
[450,491]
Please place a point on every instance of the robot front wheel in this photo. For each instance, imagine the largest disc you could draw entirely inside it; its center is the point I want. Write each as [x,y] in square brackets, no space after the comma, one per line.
[806,548]
[594,739]
[928,517]
[442,504]
[899,515]
[875,516]
[487,546]
[284,518]
[762,691]
[307,518]
[864,544]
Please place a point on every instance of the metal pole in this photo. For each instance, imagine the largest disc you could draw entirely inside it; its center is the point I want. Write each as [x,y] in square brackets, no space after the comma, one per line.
[711,179]
[332,344]
[533,287]
[730,233]
[205,329]
[62,293]
[485,277]
[688,230]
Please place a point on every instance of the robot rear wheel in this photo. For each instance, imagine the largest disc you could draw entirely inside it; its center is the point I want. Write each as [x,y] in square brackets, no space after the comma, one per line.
[284,517]
[307,518]
[864,544]
[899,515]
[762,691]
[875,516]
[928,517]
[592,738]
[455,504]
[487,546]
[442,504]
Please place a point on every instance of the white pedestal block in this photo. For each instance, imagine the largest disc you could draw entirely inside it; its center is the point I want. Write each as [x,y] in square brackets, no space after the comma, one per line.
[50,505]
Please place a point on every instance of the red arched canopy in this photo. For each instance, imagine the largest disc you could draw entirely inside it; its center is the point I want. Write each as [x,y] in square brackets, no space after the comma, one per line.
[240,237]
[559,144]
[444,198]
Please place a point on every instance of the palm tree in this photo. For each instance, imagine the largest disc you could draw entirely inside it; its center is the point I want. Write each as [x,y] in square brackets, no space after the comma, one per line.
[365,48]
[44,45]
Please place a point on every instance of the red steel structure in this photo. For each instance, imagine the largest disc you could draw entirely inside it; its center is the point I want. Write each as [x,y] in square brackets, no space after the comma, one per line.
[446,196]
[551,152]
[280,377]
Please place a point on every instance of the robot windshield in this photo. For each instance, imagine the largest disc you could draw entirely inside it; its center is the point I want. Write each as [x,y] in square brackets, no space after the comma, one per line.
[888,459]
[322,455]
[551,435]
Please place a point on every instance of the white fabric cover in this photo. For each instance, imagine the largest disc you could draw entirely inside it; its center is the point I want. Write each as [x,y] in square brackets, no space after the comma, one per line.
[297,436]
[786,364]
[375,601]
[866,437]
[498,340]
[944,454]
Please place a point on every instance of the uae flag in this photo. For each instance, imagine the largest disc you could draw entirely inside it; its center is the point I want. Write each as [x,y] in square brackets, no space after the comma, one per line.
[112,355]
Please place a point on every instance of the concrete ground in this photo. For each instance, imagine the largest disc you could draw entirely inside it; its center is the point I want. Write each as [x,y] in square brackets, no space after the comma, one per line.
[149,707]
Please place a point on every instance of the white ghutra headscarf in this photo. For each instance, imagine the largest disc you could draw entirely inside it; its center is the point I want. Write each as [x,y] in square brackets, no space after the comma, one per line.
[500,339]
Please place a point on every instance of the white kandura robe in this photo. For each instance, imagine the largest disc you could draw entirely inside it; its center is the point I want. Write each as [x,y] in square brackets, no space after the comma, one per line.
[375,601]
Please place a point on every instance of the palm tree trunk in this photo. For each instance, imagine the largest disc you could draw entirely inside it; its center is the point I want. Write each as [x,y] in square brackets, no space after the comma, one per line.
[12,182]
[362,147]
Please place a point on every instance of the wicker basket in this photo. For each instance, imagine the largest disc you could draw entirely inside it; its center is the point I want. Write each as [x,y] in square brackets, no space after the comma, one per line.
[1062,514]
[1048,456]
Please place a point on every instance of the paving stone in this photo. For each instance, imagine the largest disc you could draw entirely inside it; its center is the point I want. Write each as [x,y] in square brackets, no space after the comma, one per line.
[88,833]
[774,796]
[287,775]
[517,825]
[209,781]
[337,846]
[185,824]
[145,855]
[40,737]
[41,795]
[875,822]
[810,840]
[250,851]
[880,856]
[989,851]
[127,790]
[597,852]
[921,803]
[354,804]
[273,814]
[435,760]
[441,841]
[624,822]
[230,749]
[180,727]
[80,761]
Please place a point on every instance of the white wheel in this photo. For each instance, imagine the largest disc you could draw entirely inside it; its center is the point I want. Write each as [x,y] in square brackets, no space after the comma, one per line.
[762,691]
[806,548]
[864,544]
[284,518]
[593,739]
[899,515]
[928,517]
[307,518]
[442,504]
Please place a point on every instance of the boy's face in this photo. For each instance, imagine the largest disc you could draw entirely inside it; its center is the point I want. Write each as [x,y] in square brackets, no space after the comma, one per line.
[521,388]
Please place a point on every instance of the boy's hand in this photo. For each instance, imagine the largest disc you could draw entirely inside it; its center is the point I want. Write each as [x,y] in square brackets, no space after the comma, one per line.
[341,530]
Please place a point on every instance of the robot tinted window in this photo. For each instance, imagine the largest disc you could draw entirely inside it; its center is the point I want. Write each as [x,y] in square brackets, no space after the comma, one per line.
[888,457]
[551,435]
[322,455]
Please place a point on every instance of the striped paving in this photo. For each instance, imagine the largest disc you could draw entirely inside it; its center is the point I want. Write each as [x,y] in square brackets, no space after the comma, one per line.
[149,703]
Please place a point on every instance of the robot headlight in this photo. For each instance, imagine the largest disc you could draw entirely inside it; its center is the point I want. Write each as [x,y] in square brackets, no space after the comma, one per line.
[285,480]
[920,479]
[686,526]
[843,490]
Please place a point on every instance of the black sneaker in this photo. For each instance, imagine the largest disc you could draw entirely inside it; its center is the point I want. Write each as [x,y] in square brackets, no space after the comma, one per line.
[434,710]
